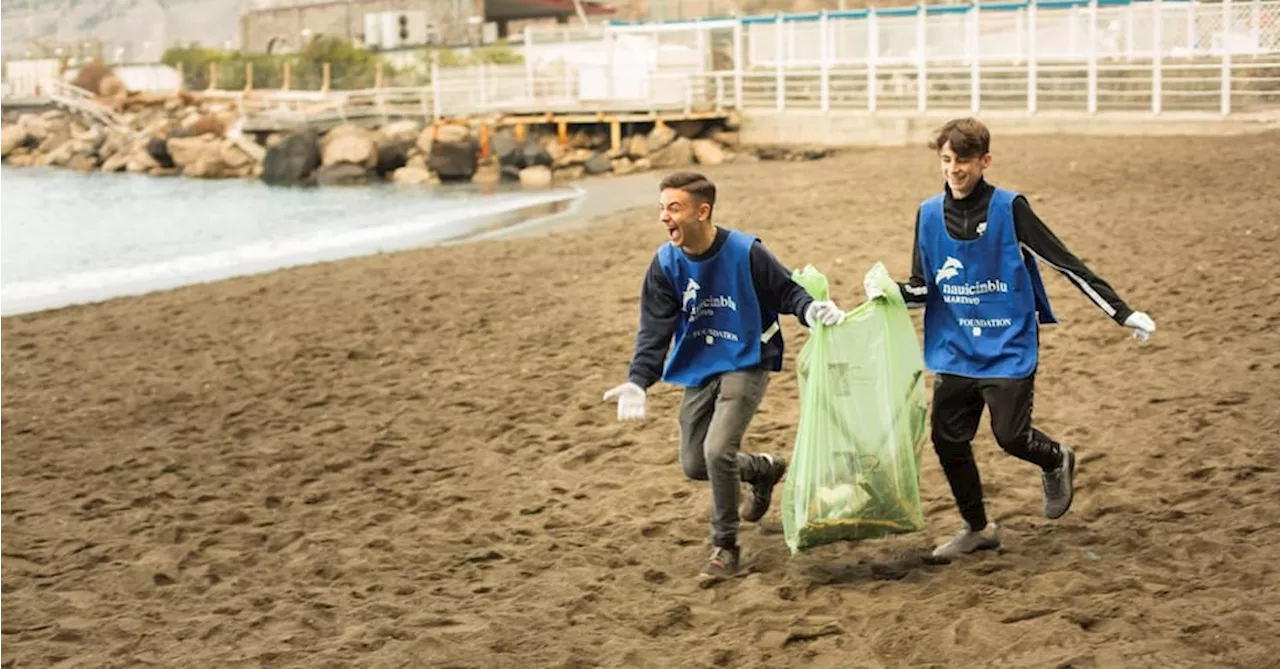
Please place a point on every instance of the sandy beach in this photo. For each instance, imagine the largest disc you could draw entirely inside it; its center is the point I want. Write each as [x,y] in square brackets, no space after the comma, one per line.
[404,460]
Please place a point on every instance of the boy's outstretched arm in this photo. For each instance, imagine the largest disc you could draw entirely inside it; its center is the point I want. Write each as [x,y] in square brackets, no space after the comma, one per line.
[1035,236]
[659,311]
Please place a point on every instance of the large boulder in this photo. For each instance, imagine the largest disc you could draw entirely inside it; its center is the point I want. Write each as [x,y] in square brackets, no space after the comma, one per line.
[453,161]
[292,160]
[140,159]
[536,176]
[159,150]
[507,149]
[12,137]
[413,175]
[708,152]
[536,153]
[188,150]
[343,174]
[352,149]
[399,131]
[678,153]
[660,137]
[349,143]
[393,155]
[598,164]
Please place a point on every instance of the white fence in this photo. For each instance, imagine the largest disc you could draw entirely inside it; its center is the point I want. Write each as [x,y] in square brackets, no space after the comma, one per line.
[1158,56]
[1070,55]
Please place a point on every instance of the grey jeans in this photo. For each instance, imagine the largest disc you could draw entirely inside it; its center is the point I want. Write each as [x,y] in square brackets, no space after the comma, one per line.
[713,420]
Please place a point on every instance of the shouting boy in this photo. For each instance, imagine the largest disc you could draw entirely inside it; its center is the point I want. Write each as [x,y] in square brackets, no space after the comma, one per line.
[718,293]
[974,271]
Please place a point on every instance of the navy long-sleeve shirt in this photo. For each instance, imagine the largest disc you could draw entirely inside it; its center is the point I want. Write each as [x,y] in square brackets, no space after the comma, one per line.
[967,218]
[660,308]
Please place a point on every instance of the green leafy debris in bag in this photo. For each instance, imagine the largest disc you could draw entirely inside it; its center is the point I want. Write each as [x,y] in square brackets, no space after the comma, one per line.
[855,470]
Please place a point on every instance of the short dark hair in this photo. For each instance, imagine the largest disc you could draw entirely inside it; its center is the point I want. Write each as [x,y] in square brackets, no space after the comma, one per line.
[969,138]
[693,183]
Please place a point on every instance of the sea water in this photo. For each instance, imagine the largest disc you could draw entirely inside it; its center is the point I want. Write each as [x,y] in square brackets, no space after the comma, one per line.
[68,237]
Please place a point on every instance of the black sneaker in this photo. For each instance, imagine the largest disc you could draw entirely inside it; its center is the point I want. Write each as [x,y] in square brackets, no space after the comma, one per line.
[1059,488]
[762,490]
[723,563]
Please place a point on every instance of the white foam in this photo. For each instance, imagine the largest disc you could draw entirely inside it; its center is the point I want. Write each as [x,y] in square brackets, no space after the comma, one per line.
[260,257]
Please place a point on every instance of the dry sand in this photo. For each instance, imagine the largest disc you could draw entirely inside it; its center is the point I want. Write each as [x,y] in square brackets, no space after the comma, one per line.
[404,461]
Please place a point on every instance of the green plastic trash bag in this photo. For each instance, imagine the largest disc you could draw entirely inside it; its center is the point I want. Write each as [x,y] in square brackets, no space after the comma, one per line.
[855,470]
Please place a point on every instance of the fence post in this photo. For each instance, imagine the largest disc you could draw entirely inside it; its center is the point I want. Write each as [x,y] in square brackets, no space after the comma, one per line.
[873,58]
[436,105]
[737,63]
[1128,31]
[1192,33]
[567,81]
[922,64]
[213,76]
[1020,31]
[530,89]
[1033,27]
[780,81]
[1255,21]
[975,58]
[824,61]
[326,78]
[248,75]
[1157,57]
[1092,32]
[1226,57]
[287,68]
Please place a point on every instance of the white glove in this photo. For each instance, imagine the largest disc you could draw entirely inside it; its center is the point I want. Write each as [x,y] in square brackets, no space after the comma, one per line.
[872,287]
[1142,325]
[825,312]
[630,398]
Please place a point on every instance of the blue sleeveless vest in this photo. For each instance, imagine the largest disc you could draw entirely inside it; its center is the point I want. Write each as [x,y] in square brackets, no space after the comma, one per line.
[986,299]
[721,320]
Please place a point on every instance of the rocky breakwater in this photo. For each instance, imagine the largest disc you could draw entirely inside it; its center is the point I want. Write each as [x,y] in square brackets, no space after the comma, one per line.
[161,138]
[202,138]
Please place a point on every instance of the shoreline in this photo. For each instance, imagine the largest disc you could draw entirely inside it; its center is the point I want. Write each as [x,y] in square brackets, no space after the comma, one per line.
[538,212]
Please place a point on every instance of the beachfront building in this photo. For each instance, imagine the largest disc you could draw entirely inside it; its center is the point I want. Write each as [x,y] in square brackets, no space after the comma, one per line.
[279,26]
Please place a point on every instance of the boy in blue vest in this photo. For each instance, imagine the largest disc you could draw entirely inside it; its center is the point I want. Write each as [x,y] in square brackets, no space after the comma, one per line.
[974,271]
[717,292]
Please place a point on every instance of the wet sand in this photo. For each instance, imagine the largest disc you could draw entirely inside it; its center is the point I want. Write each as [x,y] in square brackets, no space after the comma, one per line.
[404,460]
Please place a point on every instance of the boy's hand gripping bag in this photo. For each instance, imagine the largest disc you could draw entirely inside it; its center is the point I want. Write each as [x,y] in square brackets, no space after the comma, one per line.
[855,471]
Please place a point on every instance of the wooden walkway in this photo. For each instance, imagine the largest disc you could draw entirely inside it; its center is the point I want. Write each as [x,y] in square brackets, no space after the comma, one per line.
[285,111]
[78,100]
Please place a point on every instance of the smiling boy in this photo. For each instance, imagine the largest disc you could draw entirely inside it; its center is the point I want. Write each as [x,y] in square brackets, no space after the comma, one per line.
[974,271]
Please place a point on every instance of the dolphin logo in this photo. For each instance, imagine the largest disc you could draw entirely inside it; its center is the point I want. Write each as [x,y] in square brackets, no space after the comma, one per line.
[950,270]
[690,293]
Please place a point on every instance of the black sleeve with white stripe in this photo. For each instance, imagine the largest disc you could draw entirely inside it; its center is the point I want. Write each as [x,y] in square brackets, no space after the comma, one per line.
[1037,238]
[915,290]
